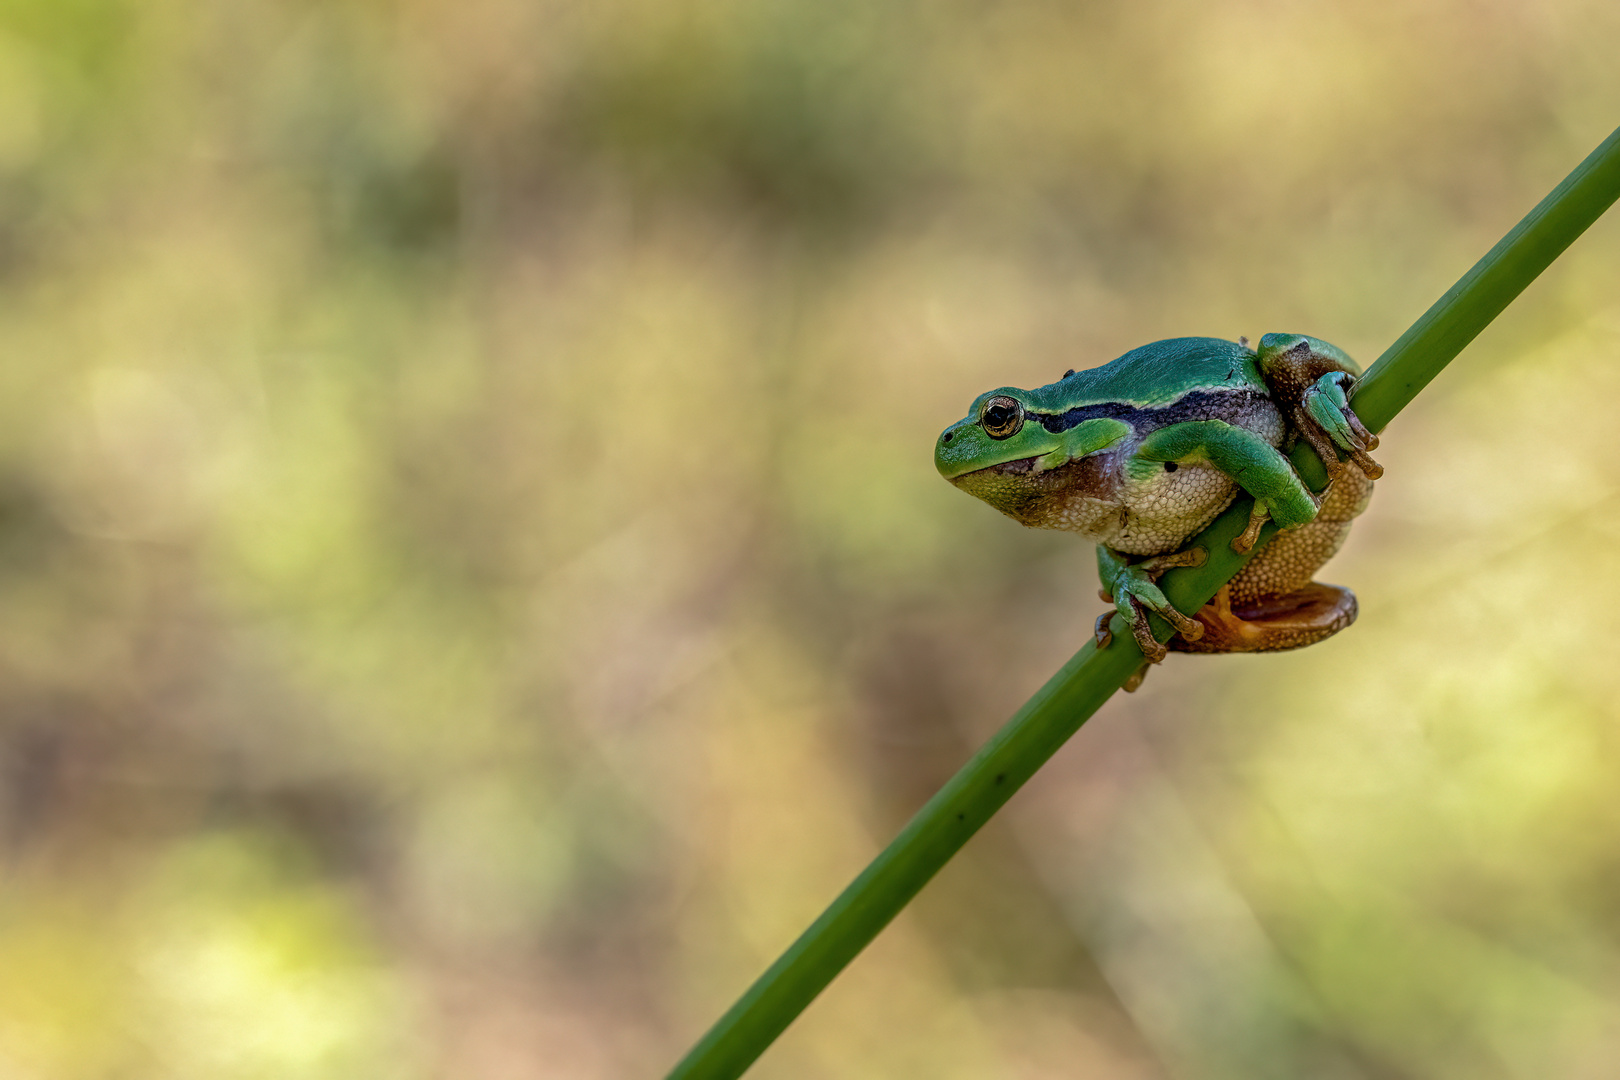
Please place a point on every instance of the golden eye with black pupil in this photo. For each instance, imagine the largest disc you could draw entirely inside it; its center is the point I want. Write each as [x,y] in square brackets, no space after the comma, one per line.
[1002,417]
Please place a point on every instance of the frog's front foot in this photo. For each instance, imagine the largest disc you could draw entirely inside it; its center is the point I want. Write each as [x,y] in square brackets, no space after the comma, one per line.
[1271,624]
[1299,508]
[1135,592]
[1327,421]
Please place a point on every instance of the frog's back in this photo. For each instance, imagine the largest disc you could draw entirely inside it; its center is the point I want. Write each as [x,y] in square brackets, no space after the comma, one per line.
[1158,374]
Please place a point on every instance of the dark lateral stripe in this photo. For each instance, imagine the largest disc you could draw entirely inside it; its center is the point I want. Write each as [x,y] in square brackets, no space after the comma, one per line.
[1198,405]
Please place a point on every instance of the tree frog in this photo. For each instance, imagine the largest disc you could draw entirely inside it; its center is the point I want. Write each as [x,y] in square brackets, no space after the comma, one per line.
[1141,453]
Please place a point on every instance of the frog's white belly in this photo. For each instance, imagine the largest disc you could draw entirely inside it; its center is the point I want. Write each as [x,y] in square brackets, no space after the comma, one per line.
[1152,516]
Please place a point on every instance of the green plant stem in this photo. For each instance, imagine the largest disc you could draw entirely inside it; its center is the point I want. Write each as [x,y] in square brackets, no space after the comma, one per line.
[1091,676]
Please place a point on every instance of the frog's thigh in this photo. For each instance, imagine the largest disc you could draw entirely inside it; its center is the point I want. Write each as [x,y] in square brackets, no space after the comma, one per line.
[1288,562]
[1272,603]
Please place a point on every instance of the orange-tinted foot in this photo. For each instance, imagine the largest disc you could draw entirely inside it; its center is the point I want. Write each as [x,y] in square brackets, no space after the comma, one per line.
[1270,624]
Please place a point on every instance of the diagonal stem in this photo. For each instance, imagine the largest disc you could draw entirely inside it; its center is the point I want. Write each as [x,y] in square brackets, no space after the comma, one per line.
[1091,676]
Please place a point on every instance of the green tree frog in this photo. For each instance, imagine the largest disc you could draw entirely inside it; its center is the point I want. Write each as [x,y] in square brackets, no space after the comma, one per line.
[1141,453]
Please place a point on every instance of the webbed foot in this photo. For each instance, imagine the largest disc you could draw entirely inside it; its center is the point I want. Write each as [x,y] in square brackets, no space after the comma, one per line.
[1271,624]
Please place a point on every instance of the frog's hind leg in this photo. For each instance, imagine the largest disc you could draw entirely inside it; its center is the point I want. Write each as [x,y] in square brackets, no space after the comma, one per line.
[1272,603]
[1311,381]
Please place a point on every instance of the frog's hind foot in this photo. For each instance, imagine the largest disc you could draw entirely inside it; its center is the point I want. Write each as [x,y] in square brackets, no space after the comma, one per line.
[1312,381]
[1271,624]
[1325,418]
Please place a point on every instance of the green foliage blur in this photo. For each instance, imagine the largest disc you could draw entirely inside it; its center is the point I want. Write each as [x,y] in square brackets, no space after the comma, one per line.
[473,583]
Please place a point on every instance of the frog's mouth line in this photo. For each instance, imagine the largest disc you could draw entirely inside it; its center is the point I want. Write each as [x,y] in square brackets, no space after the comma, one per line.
[1016,467]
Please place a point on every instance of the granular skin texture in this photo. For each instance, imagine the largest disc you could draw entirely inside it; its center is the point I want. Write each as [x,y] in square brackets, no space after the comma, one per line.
[1287,563]
[1272,604]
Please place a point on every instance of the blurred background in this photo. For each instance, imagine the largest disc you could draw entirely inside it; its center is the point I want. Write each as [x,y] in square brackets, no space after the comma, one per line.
[473,582]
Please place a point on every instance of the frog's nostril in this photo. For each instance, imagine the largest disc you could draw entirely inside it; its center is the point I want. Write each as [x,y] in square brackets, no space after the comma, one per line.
[949,435]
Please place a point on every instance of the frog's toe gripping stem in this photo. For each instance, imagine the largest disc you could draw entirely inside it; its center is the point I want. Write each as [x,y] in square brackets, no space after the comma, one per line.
[1327,421]
[1244,541]
[1134,593]
[1142,630]
[1157,564]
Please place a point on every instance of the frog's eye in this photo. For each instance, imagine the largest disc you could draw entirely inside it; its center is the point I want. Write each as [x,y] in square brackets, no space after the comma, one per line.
[1002,417]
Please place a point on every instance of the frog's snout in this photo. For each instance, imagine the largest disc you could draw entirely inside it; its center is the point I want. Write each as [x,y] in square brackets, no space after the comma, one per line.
[951,450]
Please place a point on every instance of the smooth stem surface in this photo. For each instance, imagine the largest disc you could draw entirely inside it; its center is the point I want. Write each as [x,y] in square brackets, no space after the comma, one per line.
[1468,306]
[1092,676]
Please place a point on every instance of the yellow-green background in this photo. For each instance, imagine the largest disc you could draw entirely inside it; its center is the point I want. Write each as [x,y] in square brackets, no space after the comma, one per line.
[473,584]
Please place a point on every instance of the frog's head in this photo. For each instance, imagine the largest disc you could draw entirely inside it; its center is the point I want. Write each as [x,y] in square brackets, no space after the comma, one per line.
[997,430]
[1004,453]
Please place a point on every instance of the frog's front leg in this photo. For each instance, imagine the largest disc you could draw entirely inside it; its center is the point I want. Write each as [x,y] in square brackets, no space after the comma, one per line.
[1254,464]
[1133,589]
